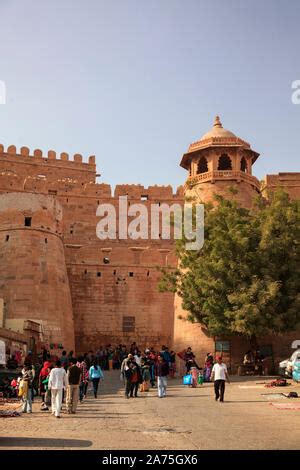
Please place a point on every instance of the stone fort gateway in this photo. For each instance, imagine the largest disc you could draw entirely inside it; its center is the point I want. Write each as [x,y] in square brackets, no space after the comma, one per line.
[85,292]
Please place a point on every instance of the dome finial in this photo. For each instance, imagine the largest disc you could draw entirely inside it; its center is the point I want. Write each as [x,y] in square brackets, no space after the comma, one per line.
[217,122]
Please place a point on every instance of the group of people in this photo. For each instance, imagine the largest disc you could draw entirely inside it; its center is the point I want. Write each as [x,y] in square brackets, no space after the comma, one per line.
[111,357]
[144,369]
[254,361]
[141,370]
[212,371]
[67,378]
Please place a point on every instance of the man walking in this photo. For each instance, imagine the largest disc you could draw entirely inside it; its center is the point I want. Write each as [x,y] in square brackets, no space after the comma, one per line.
[74,375]
[126,373]
[162,371]
[219,374]
[58,381]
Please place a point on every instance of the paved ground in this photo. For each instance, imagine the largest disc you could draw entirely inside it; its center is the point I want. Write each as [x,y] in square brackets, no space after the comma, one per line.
[186,419]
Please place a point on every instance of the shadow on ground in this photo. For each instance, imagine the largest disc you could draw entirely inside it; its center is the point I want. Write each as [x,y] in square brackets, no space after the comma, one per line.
[42,442]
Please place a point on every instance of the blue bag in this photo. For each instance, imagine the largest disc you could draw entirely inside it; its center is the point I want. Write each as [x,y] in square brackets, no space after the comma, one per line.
[296,371]
[187,379]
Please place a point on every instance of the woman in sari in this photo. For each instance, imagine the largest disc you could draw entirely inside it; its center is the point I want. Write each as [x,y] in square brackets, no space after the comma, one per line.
[45,371]
[208,365]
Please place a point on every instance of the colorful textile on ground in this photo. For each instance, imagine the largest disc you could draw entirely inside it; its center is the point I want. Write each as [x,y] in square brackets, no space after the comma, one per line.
[286,406]
[273,396]
[10,408]
[278,383]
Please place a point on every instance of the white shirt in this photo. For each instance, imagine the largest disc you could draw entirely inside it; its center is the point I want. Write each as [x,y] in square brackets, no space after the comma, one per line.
[138,360]
[58,378]
[219,371]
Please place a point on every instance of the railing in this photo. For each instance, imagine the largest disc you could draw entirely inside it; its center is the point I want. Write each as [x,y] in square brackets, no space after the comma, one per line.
[218,141]
[223,175]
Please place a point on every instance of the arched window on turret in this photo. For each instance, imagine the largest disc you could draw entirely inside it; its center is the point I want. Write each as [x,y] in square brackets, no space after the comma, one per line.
[224,162]
[243,165]
[202,165]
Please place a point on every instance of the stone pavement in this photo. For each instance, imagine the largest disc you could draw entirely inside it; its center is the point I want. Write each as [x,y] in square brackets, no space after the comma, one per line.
[186,419]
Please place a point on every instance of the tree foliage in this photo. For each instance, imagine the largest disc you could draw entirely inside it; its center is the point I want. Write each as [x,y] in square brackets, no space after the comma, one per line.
[246,278]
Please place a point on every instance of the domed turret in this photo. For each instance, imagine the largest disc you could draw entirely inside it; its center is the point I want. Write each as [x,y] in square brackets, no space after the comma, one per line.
[218,160]
[217,131]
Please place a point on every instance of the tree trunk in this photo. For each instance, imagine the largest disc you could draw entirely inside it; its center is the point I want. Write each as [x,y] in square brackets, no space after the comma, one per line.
[253,342]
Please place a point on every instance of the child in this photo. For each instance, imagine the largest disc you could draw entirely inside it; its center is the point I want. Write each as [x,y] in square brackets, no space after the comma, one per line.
[25,390]
[194,374]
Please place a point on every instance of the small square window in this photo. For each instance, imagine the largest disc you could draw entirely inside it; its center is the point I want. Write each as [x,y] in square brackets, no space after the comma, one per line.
[128,324]
[27,222]
[131,274]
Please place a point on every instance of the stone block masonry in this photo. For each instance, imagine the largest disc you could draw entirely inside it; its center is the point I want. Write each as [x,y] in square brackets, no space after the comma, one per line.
[88,292]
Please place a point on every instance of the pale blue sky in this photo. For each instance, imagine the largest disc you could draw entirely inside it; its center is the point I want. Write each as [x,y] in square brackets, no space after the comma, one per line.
[136,81]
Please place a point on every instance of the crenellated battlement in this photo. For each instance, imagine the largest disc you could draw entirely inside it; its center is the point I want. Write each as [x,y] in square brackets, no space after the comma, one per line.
[28,164]
[137,191]
[10,180]
[54,174]
[51,156]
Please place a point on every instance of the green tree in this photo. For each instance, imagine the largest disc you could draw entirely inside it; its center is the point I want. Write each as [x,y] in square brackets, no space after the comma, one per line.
[246,278]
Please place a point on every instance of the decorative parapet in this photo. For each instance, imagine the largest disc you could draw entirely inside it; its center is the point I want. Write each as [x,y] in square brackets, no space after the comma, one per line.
[225,175]
[217,141]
